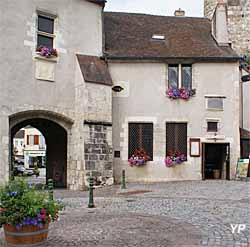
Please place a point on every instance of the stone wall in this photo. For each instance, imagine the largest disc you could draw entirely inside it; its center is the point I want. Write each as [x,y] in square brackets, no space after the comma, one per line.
[98,133]
[239,27]
[98,152]
[238,12]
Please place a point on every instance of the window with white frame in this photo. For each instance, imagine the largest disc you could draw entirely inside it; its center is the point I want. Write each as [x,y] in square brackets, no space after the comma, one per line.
[180,76]
[45,30]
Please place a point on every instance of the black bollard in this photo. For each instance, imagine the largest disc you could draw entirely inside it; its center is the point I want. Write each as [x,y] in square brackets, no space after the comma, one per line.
[50,189]
[91,194]
[123,180]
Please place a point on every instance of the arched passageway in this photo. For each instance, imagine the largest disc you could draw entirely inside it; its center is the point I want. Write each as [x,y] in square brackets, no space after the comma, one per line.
[56,142]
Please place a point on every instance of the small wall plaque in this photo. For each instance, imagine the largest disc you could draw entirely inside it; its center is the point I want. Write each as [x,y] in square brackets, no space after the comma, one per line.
[195,145]
[45,70]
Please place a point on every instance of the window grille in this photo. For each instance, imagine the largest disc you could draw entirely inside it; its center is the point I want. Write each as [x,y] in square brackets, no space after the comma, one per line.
[212,126]
[141,136]
[176,137]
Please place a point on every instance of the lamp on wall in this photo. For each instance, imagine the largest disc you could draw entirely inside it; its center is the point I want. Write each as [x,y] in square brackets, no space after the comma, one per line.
[117,89]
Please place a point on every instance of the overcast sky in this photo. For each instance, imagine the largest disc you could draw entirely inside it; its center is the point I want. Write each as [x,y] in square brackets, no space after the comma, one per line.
[156,7]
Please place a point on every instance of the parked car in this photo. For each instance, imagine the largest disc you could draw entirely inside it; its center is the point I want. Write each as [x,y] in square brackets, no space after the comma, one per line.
[29,172]
[18,169]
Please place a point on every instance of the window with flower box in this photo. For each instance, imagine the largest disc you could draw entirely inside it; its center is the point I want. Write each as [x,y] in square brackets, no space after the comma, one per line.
[141,137]
[45,30]
[176,138]
[180,80]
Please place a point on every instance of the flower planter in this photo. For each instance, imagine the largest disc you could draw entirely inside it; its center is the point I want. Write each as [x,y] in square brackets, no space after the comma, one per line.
[26,236]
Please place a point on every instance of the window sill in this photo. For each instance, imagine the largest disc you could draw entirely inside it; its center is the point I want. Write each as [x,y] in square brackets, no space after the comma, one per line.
[48,59]
[214,109]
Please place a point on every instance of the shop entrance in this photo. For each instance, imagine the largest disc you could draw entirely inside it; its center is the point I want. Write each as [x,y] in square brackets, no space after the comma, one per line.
[216,163]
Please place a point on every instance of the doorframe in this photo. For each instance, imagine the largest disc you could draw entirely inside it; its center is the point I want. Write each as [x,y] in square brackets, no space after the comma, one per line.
[227,158]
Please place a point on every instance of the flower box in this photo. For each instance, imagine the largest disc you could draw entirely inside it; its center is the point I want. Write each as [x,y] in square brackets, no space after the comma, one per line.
[175,158]
[46,52]
[139,158]
[180,93]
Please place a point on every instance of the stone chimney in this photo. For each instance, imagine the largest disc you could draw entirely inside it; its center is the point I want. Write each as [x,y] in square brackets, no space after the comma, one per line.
[179,12]
[219,24]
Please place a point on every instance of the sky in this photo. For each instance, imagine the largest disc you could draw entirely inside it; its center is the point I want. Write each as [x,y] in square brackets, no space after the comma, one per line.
[156,7]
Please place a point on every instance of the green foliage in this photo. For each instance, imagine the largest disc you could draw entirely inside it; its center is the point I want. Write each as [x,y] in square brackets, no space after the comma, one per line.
[21,204]
[247,59]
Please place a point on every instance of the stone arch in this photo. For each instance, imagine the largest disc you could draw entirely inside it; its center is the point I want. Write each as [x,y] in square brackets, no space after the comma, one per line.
[55,128]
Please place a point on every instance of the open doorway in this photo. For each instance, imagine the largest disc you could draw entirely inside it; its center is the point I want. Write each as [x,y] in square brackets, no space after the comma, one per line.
[216,164]
[29,155]
[53,158]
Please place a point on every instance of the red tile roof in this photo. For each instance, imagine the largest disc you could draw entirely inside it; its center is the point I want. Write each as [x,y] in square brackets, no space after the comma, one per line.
[129,36]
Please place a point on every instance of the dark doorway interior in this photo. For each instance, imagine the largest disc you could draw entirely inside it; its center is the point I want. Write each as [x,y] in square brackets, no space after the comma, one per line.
[216,161]
[56,152]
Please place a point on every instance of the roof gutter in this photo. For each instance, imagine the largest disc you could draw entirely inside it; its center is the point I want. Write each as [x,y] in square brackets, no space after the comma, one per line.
[163,58]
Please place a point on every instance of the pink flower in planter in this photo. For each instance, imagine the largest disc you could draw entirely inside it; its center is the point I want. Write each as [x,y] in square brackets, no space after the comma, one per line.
[168,161]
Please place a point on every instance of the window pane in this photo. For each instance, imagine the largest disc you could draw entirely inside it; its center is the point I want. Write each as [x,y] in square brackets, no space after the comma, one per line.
[44,41]
[173,76]
[212,126]
[215,103]
[141,136]
[31,140]
[186,74]
[45,24]
[176,137]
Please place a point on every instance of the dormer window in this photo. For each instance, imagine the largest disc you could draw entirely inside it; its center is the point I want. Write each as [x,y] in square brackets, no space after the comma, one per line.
[158,37]
[45,31]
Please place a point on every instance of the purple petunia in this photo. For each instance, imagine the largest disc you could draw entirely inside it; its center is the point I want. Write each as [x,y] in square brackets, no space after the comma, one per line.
[182,93]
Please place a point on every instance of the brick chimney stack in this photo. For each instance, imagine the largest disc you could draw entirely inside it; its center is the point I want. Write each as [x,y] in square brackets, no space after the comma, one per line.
[179,12]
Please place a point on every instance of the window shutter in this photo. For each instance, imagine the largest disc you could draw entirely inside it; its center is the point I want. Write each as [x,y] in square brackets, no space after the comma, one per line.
[36,140]
[28,139]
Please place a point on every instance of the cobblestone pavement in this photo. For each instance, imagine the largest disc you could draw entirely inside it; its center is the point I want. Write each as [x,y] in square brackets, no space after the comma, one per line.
[183,214]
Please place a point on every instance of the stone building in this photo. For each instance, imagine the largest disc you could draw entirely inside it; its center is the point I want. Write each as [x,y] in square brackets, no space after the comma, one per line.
[67,94]
[68,101]
[147,55]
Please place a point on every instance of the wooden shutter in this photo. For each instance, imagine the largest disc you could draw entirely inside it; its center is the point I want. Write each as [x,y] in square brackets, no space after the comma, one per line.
[28,139]
[36,140]
[141,136]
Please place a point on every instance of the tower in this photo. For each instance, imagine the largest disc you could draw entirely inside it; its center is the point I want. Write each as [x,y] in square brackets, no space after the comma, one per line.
[209,7]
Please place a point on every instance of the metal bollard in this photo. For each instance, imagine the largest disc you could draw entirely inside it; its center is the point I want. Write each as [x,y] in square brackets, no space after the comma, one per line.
[91,195]
[123,180]
[50,189]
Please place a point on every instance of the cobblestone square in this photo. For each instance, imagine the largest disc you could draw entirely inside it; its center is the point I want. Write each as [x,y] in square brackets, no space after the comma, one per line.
[168,214]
